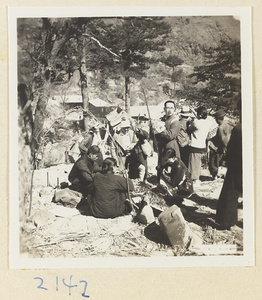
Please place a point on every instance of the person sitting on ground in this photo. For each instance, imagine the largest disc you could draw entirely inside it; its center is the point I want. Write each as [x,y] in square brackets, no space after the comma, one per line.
[137,160]
[218,144]
[82,173]
[175,174]
[122,142]
[110,192]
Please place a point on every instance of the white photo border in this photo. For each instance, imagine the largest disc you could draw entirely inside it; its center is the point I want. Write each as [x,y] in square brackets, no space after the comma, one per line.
[16,261]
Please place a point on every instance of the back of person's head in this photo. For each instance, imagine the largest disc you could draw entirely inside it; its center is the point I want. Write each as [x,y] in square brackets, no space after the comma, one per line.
[220,115]
[108,165]
[94,150]
[202,112]
[142,134]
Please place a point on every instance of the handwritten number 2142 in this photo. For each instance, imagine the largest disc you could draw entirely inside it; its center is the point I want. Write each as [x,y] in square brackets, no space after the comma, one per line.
[40,286]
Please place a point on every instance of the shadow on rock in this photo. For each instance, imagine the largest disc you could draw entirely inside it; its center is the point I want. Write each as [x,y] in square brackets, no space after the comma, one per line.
[156,234]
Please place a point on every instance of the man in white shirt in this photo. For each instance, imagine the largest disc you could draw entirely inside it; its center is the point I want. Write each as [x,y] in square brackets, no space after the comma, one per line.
[198,130]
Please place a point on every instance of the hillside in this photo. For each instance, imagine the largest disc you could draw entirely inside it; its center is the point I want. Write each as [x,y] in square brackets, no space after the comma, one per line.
[189,38]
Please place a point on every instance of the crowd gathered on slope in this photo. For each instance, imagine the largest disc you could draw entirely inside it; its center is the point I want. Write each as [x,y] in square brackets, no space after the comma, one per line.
[180,143]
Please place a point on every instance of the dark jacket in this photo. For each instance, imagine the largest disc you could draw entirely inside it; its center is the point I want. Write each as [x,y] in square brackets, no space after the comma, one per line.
[227,205]
[168,137]
[219,142]
[136,158]
[178,177]
[82,173]
[110,192]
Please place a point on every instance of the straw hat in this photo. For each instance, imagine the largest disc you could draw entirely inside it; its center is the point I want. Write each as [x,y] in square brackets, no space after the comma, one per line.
[185,111]
[125,124]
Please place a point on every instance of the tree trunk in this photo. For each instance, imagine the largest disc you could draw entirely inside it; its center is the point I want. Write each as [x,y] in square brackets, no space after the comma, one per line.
[174,90]
[40,114]
[127,94]
[83,79]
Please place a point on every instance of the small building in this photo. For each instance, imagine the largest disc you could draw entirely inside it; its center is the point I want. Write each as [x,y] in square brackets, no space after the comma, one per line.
[97,106]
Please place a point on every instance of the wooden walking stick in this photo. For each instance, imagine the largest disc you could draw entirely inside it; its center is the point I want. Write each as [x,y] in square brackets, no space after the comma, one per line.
[150,122]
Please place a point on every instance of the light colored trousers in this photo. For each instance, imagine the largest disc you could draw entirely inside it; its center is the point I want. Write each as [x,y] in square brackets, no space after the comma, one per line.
[194,165]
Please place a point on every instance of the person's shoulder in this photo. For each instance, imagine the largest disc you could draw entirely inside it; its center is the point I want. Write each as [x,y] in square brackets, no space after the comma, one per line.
[114,178]
[224,123]
[195,122]
[174,120]
[82,158]
[203,122]
[99,175]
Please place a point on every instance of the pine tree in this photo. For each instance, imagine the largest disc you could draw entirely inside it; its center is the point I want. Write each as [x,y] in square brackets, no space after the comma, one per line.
[221,72]
[136,39]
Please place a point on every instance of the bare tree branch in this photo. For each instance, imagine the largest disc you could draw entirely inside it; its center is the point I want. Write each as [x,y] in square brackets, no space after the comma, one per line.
[100,45]
[32,57]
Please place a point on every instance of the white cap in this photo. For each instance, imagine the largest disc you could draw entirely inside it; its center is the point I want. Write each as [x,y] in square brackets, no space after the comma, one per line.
[125,124]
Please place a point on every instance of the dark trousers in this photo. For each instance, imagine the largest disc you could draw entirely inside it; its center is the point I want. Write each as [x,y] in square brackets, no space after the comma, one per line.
[226,214]
[215,160]
[184,153]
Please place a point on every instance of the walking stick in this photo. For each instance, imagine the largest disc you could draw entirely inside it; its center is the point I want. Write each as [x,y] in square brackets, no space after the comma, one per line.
[129,195]
[150,121]
[102,126]
[123,172]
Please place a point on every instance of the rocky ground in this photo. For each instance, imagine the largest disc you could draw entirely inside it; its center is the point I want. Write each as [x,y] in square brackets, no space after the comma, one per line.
[53,230]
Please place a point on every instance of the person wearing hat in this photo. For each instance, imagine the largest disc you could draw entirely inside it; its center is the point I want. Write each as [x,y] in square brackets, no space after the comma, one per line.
[122,143]
[185,120]
[137,160]
[81,175]
[218,144]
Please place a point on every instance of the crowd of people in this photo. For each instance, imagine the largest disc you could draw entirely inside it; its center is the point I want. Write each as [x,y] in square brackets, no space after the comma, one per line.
[106,184]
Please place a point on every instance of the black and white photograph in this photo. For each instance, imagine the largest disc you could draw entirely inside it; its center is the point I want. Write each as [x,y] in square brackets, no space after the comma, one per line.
[130,137]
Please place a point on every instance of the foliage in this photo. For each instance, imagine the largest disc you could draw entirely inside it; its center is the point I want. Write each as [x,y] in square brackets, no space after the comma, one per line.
[136,39]
[221,73]
[172,61]
[50,51]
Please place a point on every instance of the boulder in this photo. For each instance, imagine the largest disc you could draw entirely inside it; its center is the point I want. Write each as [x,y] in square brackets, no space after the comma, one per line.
[42,217]
[175,226]
[56,155]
